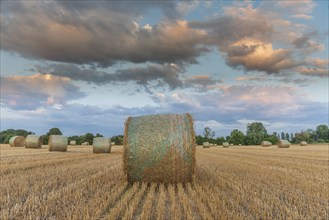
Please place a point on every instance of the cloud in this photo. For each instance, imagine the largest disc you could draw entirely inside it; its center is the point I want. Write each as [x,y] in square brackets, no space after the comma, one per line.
[32,92]
[164,75]
[96,33]
[201,83]
[314,67]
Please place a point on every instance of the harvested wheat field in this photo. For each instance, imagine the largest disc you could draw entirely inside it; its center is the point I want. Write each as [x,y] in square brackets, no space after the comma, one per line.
[236,183]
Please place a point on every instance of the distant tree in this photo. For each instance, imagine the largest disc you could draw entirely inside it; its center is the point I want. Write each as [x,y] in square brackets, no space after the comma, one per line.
[303,136]
[76,139]
[282,136]
[99,135]
[237,137]
[256,133]
[292,138]
[88,137]
[287,137]
[208,133]
[220,140]
[5,135]
[52,131]
[322,132]
[273,138]
[199,139]
[118,139]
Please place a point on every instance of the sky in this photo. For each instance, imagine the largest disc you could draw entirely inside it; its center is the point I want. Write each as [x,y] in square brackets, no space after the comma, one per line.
[85,66]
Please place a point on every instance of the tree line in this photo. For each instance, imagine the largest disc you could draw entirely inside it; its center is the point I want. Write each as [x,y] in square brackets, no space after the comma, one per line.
[88,137]
[256,133]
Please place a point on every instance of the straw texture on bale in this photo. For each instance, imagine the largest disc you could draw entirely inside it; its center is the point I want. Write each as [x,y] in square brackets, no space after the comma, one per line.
[226,144]
[266,143]
[159,148]
[17,141]
[206,145]
[101,145]
[33,141]
[57,143]
[73,143]
[303,143]
[283,144]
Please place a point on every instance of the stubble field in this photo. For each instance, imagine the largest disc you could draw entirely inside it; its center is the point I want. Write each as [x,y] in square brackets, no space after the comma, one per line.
[238,182]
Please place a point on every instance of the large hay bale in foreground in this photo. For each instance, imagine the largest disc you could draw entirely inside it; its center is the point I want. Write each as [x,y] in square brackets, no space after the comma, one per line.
[73,143]
[33,141]
[283,144]
[17,141]
[226,144]
[57,143]
[266,143]
[205,144]
[159,148]
[303,143]
[101,145]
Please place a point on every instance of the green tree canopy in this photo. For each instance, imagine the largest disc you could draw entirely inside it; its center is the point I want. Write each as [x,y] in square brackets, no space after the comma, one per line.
[237,137]
[256,133]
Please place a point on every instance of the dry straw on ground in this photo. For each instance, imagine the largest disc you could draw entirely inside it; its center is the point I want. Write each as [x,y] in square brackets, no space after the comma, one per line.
[73,143]
[206,145]
[17,141]
[101,145]
[159,148]
[283,144]
[33,141]
[266,143]
[303,143]
[57,143]
[226,144]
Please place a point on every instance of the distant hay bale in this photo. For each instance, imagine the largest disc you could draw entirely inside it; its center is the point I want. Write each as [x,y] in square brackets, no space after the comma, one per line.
[231,145]
[73,143]
[57,143]
[226,144]
[240,145]
[266,143]
[303,143]
[215,145]
[205,144]
[33,141]
[159,148]
[101,145]
[112,143]
[17,141]
[283,144]
[211,144]
[85,143]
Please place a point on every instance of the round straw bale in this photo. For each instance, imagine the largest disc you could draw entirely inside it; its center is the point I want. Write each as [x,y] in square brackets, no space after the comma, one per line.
[205,144]
[226,144]
[73,143]
[85,143]
[231,145]
[101,145]
[33,141]
[283,144]
[240,145]
[112,143]
[159,148]
[303,143]
[57,143]
[266,143]
[17,141]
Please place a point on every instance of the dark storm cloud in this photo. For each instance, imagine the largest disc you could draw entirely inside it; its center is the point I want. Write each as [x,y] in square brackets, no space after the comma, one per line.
[100,33]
